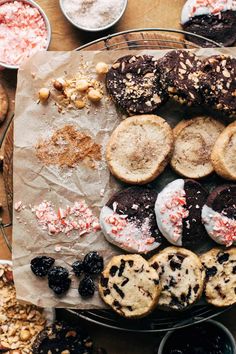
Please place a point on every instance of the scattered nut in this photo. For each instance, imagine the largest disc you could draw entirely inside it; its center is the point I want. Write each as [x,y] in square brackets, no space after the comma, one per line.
[94,95]
[79,104]
[44,94]
[25,335]
[82,85]
[58,85]
[101,68]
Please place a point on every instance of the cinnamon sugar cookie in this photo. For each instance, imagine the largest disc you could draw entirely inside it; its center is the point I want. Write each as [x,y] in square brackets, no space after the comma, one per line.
[139,149]
[194,140]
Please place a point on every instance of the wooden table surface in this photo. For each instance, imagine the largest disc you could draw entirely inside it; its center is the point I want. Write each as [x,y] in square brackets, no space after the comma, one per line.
[139,14]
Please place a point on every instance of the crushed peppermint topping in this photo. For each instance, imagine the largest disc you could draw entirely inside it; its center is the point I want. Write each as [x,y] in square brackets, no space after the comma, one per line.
[132,233]
[77,217]
[177,204]
[215,6]
[23,32]
[224,228]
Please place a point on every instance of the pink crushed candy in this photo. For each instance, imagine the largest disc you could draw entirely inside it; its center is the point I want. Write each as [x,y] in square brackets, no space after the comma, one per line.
[135,236]
[23,32]
[215,6]
[78,217]
[177,203]
[224,228]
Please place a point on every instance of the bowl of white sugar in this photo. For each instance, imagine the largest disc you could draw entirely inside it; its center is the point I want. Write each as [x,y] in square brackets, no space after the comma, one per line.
[93,15]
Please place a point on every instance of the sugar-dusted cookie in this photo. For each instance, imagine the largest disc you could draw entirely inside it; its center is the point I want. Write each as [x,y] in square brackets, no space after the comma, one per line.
[130,286]
[178,212]
[220,265]
[194,141]
[181,277]
[134,84]
[219,215]
[128,220]
[139,149]
[224,153]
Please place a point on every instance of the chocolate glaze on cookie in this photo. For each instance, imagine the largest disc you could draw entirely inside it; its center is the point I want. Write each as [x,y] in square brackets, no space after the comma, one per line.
[215,20]
[134,84]
[178,213]
[179,75]
[132,212]
[218,84]
[219,215]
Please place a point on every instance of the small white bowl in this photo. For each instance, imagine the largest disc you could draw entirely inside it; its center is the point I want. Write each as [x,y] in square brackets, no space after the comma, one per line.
[94,29]
[46,20]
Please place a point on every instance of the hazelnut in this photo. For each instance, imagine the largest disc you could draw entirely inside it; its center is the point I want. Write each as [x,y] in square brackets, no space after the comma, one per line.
[79,104]
[44,94]
[101,68]
[25,335]
[82,85]
[58,85]
[94,95]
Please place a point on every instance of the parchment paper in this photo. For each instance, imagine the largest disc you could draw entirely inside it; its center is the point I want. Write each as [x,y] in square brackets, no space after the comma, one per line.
[34,182]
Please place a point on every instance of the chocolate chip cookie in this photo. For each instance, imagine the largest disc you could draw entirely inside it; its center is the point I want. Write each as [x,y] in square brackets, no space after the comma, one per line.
[130,286]
[134,84]
[128,220]
[220,265]
[181,277]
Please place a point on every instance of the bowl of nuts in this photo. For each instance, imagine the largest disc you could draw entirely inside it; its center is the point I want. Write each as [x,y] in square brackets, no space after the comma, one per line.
[20,323]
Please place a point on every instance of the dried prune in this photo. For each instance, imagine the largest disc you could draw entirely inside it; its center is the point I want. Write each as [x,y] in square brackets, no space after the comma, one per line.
[86,287]
[41,265]
[78,267]
[58,280]
[93,263]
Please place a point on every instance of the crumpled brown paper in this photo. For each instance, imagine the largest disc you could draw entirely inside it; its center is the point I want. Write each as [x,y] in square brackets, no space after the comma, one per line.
[34,182]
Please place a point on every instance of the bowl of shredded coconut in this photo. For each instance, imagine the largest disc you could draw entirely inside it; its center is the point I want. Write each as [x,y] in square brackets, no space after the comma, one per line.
[93,15]
[24,30]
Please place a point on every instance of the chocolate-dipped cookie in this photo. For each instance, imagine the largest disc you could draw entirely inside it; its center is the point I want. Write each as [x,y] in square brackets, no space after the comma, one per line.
[134,84]
[219,215]
[220,266]
[218,84]
[181,277]
[128,220]
[130,286]
[179,76]
[215,20]
[61,337]
[178,212]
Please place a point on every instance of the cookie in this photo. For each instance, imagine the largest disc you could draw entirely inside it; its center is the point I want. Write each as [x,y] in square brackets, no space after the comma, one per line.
[218,84]
[130,286]
[128,220]
[178,213]
[224,152]
[134,84]
[215,20]
[181,277]
[179,76]
[61,338]
[219,215]
[220,287]
[139,149]
[3,104]
[194,141]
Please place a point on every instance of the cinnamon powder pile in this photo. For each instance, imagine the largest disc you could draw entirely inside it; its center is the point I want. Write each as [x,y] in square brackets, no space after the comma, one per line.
[67,147]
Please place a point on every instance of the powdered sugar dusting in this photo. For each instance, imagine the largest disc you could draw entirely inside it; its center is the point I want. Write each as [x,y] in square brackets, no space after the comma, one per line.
[23,32]
[93,14]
